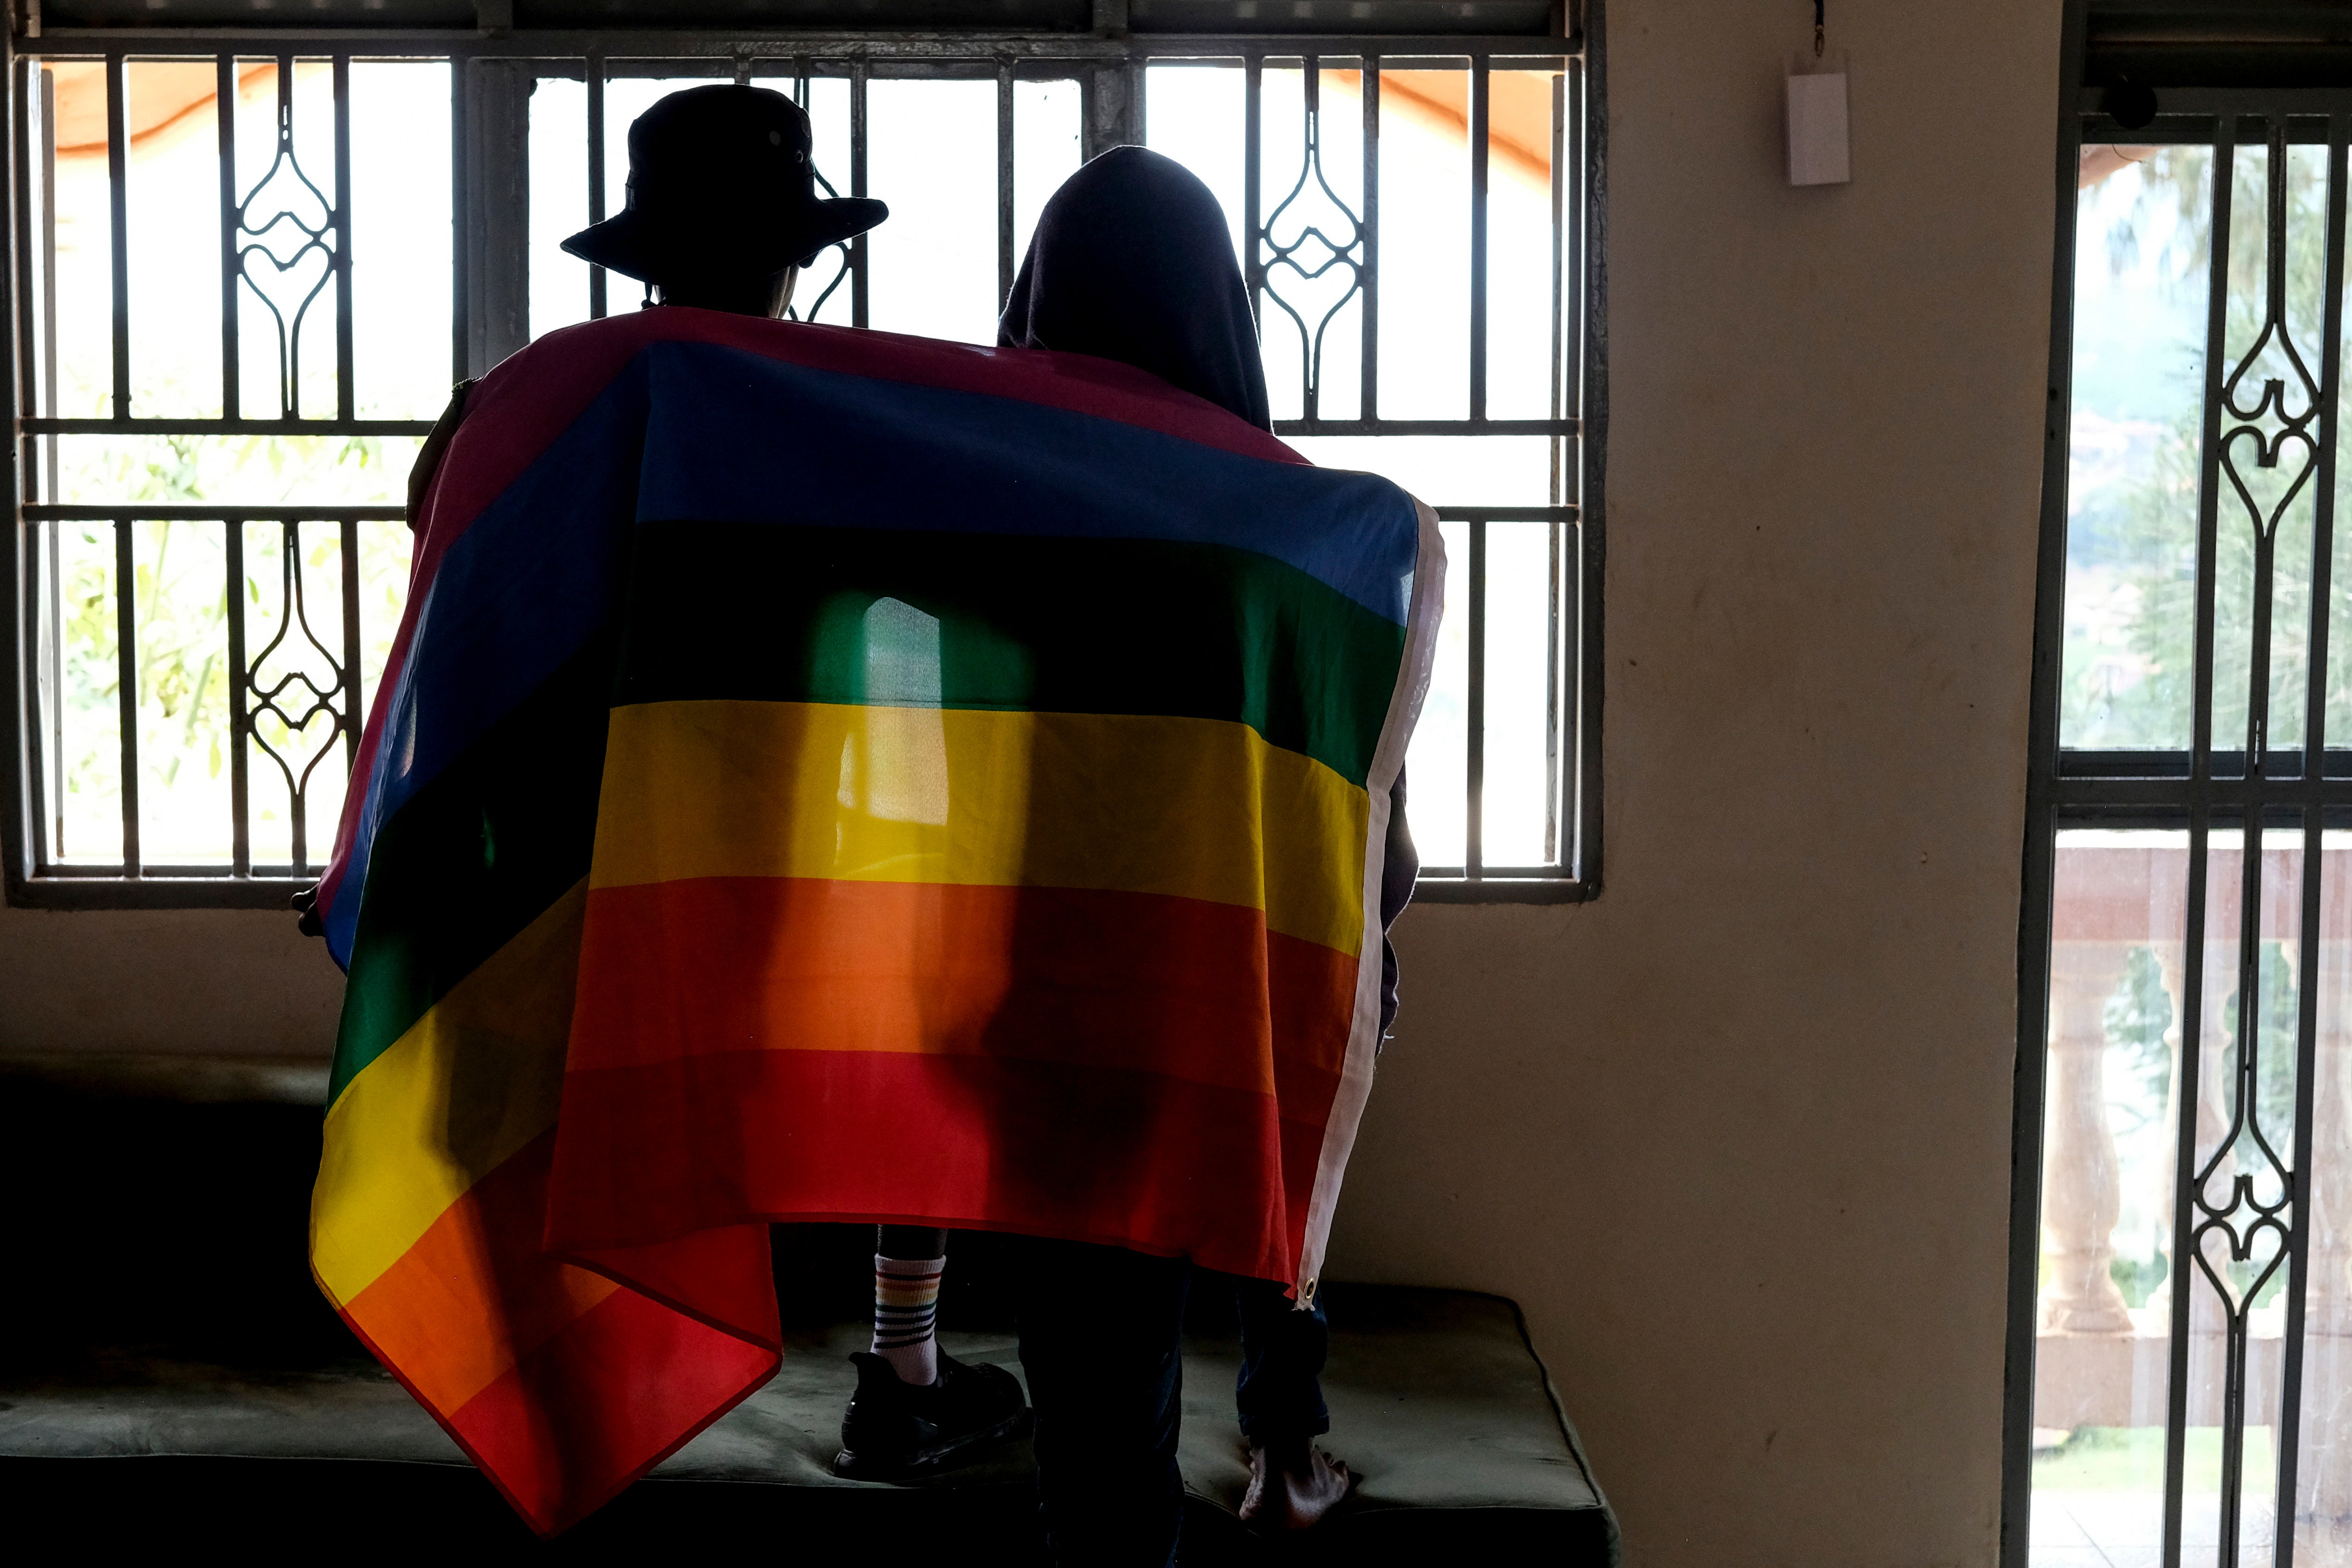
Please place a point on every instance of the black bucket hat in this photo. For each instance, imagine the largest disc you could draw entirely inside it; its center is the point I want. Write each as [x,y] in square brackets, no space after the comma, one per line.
[721,182]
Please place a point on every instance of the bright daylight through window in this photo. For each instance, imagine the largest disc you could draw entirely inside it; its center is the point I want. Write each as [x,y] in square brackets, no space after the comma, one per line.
[2189,1284]
[214,543]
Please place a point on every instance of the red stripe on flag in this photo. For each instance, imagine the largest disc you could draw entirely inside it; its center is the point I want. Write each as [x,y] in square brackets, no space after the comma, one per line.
[1042,1148]
[1178,987]
[616,1392]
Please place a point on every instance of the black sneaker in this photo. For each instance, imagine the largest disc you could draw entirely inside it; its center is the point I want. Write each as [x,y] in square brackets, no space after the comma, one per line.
[895,1432]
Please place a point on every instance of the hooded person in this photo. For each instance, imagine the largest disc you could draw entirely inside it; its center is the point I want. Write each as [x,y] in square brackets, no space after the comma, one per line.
[1133,260]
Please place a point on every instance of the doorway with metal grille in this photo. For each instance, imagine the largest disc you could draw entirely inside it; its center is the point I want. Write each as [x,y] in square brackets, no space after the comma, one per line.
[2180,1362]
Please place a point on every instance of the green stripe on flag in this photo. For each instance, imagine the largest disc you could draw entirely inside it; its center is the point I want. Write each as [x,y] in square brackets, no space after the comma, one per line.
[788,614]
[474,856]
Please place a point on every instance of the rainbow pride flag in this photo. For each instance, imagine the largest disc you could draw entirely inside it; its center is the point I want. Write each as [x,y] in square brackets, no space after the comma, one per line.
[829,776]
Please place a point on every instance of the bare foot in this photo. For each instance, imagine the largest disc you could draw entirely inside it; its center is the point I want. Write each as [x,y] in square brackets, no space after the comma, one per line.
[1296,1492]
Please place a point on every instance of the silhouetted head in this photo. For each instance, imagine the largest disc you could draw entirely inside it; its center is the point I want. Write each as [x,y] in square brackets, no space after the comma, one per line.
[722,200]
[1132,261]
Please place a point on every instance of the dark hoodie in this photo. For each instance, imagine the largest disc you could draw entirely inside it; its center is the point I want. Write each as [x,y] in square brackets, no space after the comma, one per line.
[1132,261]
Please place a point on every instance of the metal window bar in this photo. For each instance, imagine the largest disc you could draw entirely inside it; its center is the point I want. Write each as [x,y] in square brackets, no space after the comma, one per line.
[34,783]
[597,284]
[1253,180]
[848,258]
[461,201]
[859,301]
[1556,390]
[48,267]
[240,719]
[1480,134]
[1367,397]
[225,95]
[20,116]
[126,676]
[337,698]
[243,221]
[2314,736]
[2219,784]
[1104,67]
[1359,253]
[1473,821]
[1006,222]
[1339,249]
[55,776]
[1477,873]
[346,407]
[118,166]
[2199,826]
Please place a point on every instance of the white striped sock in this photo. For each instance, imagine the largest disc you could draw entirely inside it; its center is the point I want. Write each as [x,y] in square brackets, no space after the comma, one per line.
[905,1316]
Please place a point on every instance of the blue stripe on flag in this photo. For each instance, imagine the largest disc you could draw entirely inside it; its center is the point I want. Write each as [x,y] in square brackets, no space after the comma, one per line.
[891,455]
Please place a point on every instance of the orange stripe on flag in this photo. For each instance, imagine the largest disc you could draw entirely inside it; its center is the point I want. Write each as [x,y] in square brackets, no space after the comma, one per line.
[477,1294]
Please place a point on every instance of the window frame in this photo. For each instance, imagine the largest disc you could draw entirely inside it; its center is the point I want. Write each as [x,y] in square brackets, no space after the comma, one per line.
[493,71]
[2213,81]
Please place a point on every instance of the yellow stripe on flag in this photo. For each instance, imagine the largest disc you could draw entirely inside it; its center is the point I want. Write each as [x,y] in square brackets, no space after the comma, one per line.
[473,1080]
[1196,808]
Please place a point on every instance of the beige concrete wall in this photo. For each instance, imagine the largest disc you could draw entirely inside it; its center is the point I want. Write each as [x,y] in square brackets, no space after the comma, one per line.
[194,982]
[1737,1133]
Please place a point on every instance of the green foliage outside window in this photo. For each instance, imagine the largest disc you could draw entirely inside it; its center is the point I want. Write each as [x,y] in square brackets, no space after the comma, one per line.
[2144,527]
[180,620]
[2137,1019]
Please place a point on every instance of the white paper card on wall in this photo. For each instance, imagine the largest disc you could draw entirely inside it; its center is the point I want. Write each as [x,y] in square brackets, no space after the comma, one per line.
[1818,147]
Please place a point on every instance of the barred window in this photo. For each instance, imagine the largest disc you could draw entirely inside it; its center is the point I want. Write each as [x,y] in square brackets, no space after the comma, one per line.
[236,254]
[2181,1281]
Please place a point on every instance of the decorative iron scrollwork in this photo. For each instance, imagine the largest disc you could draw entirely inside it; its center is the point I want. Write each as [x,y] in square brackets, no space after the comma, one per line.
[1314,251]
[2239,1218]
[2268,426]
[294,697]
[2244,1218]
[2238,1237]
[300,220]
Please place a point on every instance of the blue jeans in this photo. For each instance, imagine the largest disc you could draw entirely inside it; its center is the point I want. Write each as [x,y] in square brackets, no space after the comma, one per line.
[1102,1338]
[1279,1394]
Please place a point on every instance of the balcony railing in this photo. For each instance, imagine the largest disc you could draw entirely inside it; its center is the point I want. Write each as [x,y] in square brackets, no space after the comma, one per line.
[2111,1194]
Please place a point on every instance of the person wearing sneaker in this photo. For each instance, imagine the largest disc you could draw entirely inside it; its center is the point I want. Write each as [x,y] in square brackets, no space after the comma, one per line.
[722,214]
[918,1410]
